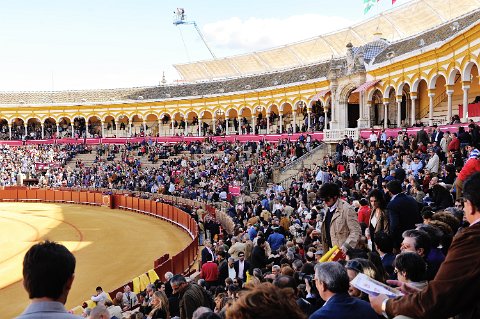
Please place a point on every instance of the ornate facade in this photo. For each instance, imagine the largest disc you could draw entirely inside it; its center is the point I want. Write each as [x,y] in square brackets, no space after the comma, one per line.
[425,77]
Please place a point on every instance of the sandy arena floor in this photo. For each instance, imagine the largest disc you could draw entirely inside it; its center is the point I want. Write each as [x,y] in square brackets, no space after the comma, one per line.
[111,246]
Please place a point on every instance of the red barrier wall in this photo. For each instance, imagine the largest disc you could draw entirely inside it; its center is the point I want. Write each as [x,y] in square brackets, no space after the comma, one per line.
[177,264]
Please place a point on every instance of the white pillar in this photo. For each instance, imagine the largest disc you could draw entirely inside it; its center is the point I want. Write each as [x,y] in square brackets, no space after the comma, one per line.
[103,129]
[226,125]
[58,130]
[399,110]
[413,110]
[25,129]
[239,119]
[449,102]
[186,127]
[10,130]
[159,127]
[116,128]
[199,127]
[268,123]
[43,132]
[309,115]
[281,123]
[325,111]
[465,87]
[172,129]
[144,128]
[253,124]
[294,121]
[73,129]
[385,114]
[431,95]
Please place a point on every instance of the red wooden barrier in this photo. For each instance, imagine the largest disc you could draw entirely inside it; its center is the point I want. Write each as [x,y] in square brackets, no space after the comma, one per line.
[83,198]
[22,194]
[135,201]
[91,198]
[98,199]
[49,195]
[58,196]
[67,196]
[32,194]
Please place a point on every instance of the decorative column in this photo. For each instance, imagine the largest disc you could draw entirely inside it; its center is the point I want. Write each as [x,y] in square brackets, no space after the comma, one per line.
[159,127]
[449,101]
[144,128]
[281,122]
[43,132]
[413,98]
[385,112]
[103,128]
[116,128]
[226,125]
[268,123]
[186,127]
[73,129]
[309,112]
[325,111]
[253,124]
[58,130]
[399,110]
[465,87]
[172,131]
[368,114]
[294,121]
[239,119]
[431,95]
[199,127]
[10,130]
[25,129]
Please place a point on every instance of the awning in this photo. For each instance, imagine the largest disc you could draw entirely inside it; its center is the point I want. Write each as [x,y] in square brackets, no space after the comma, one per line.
[365,86]
[319,95]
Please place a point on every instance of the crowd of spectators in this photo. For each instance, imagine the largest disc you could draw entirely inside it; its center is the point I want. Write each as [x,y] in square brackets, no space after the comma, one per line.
[391,206]
[398,208]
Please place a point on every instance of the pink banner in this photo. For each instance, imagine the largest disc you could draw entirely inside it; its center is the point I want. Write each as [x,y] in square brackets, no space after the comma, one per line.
[234,190]
[11,143]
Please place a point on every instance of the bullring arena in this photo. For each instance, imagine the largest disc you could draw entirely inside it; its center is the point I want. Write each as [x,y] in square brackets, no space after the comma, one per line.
[243,152]
[110,244]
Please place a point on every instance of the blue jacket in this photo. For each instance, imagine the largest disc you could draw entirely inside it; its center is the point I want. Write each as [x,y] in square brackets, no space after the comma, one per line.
[342,306]
[276,240]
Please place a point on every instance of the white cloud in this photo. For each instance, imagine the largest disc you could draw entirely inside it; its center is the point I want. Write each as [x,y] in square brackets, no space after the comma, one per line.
[257,34]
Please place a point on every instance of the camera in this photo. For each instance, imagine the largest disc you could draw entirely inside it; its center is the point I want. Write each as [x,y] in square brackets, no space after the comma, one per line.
[303,276]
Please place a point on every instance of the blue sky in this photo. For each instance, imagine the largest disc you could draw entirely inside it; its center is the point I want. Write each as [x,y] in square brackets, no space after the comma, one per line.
[83,44]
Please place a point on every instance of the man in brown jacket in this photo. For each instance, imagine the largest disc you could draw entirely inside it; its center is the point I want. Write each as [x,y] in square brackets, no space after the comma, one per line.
[191,296]
[454,290]
[340,225]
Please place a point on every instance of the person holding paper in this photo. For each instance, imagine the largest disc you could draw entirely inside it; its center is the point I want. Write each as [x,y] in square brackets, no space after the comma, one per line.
[332,282]
[454,290]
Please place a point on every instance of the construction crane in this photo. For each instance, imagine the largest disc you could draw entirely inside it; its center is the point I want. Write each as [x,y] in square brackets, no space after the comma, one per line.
[181,19]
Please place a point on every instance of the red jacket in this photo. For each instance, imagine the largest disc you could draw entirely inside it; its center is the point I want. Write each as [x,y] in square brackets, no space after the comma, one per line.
[470,167]
[209,271]
[364,215]
[454,145]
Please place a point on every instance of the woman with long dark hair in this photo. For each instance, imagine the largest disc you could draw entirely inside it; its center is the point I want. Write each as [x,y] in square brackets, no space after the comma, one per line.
[378,216]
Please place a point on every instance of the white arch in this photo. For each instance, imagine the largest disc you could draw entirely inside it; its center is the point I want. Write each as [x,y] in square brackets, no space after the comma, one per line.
[387,91]
[434,79]
[467,71]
